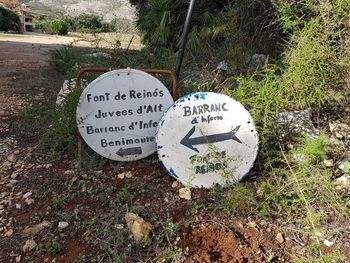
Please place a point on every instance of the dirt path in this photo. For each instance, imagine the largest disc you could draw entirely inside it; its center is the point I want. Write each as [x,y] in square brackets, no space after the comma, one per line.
[24,77]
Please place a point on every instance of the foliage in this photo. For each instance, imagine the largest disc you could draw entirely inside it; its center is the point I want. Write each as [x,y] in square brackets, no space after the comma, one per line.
[122,25]
[9,20]
[85,23]
[161,22]
[61,135]
[239,200]
[58,26]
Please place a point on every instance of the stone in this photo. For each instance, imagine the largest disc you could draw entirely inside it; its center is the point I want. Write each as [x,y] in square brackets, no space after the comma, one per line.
[62,225]
[137,226]
[29,245]
[14,175]
[298,121]
[32,231]
[11,158]
[9,233]
[47,166]
[344,166]
[328,163]
[99,55]
[18,259]
[26,195]
[343,182]
[121,176]
[67,86]
[185,193]
[328,243]
[69,172]
[340,130]
[175,184]
[100,172]
[256,62]
[224,66]
[298,157]
[279,238]
[18,206]
[128,174]
[29,201]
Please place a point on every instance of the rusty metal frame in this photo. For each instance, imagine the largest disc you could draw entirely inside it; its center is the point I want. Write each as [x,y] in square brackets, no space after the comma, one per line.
[171,73]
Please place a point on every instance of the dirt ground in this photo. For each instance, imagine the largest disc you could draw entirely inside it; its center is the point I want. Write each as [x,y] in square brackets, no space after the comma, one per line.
[38,194]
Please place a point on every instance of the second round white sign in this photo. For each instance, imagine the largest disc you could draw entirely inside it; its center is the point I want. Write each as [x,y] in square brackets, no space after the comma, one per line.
[206,139]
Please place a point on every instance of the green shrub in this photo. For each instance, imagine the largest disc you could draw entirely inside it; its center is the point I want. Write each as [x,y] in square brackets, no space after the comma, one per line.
[161,22]
[9,20]
[87,23]
[58,26]
[61,135]
[239,200]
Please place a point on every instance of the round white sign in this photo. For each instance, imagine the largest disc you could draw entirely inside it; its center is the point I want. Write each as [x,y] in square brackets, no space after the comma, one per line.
[206,139]
[118,114]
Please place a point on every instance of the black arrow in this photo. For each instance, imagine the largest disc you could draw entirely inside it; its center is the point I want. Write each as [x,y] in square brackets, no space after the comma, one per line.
[129,151]
[189,142]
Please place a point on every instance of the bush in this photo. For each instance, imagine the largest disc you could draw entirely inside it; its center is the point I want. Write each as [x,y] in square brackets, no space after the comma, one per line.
[87,23]
[161,22]
[58,26]
[9,20]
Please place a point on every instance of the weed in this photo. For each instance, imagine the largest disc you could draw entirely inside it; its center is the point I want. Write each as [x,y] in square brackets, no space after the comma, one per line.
[54,247]
[240,199]
[61,135]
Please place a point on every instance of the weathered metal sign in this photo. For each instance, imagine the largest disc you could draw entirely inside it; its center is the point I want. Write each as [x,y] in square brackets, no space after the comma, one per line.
[118,114]
[206,139]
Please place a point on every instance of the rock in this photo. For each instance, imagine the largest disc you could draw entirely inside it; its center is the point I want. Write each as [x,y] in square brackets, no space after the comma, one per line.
[175,184]
[119,226]
[9,233]
[18,259]
[298,121]
[32,231]
[344,166]
[125,175]
[121,176]
[29,245]
[343,182]
[256,62]
[29,201]
[18,206]
[340,130]
[62,225]
[185,193]
[100,172]
[279,238]
[47,166]
[14,175]
[328,243]
[328,163]
[69,172]
[224,66]
[298,157]
[137,226]
[67,87]
[99,55]
[11,158]
[26,195]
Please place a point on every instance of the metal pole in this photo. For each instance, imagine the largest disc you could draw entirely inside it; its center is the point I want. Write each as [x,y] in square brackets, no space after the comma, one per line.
[184,38]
